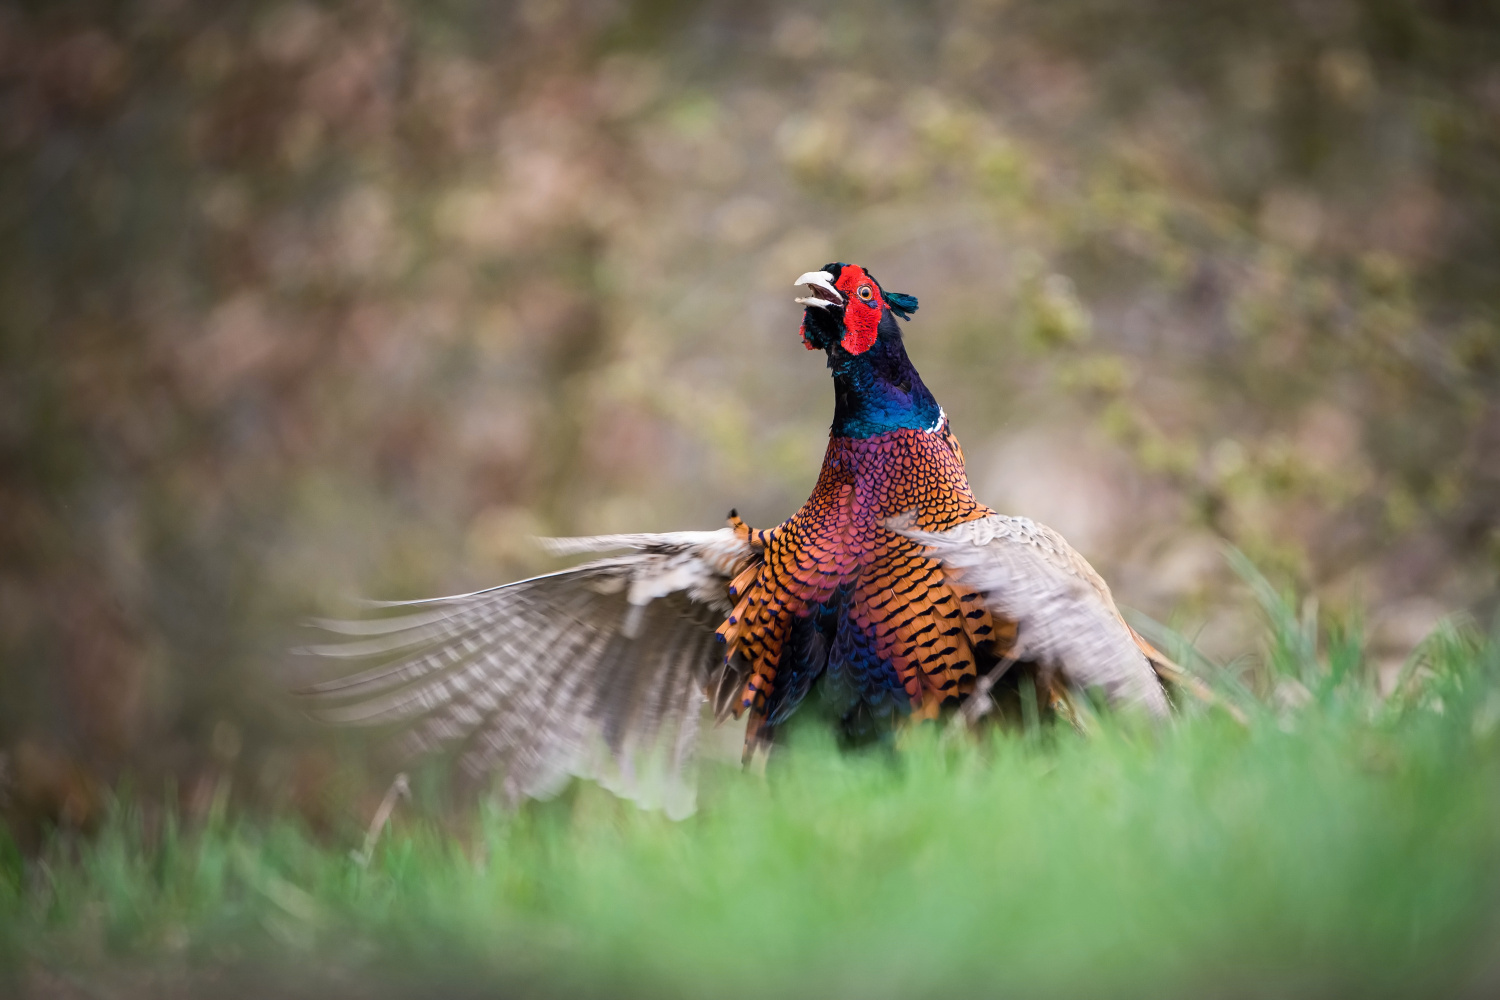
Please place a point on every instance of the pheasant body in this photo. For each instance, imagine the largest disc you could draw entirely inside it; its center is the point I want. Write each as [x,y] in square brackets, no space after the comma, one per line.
[892,585]
[887,625]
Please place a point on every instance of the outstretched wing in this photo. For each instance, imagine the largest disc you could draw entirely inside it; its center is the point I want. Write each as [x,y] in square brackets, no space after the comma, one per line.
[1066,619]
[598,671]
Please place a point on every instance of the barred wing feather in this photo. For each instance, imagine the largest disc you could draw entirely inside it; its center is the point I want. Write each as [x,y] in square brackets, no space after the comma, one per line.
[1066,619]
[598,671]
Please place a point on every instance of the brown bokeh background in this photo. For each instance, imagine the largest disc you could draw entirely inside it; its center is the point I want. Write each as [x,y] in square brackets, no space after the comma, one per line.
[306,300]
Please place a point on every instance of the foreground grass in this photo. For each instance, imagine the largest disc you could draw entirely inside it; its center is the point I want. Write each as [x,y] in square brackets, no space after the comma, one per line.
[1348,845]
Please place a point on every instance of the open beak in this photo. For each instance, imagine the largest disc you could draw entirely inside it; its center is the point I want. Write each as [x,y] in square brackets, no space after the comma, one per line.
[824,295]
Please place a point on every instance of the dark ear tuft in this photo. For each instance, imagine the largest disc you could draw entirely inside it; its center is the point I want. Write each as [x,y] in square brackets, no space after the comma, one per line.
[901,305]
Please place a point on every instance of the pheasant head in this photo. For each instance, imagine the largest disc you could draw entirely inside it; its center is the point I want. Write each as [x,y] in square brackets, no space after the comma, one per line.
[847,309]
[848,315]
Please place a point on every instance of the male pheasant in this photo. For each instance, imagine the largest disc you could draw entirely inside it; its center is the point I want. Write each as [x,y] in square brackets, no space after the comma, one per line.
[892,588]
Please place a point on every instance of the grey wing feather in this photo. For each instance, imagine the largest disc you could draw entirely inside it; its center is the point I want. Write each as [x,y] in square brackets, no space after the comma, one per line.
[1066,619]
[599,671]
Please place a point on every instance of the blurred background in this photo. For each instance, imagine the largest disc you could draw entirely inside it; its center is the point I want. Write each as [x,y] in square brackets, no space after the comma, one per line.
[302,301]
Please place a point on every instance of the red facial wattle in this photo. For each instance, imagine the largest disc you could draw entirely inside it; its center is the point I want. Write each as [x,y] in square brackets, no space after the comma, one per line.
[862,313]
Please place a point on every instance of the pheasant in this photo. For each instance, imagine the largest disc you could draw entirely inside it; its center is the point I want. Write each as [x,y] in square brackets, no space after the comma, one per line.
[893,590]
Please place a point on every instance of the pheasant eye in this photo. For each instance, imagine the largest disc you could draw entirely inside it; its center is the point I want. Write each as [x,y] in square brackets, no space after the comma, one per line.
[865,293]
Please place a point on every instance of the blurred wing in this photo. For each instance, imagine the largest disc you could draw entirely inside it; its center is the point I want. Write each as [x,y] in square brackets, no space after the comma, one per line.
[597,671]
[1066,619]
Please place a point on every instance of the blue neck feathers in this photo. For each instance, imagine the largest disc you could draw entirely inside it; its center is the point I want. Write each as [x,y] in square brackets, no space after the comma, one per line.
[879,390]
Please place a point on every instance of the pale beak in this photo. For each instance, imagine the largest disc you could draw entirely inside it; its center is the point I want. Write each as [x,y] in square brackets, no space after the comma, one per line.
[823,294]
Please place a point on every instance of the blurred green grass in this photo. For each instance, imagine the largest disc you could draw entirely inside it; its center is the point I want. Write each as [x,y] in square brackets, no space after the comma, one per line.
[1343,842]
